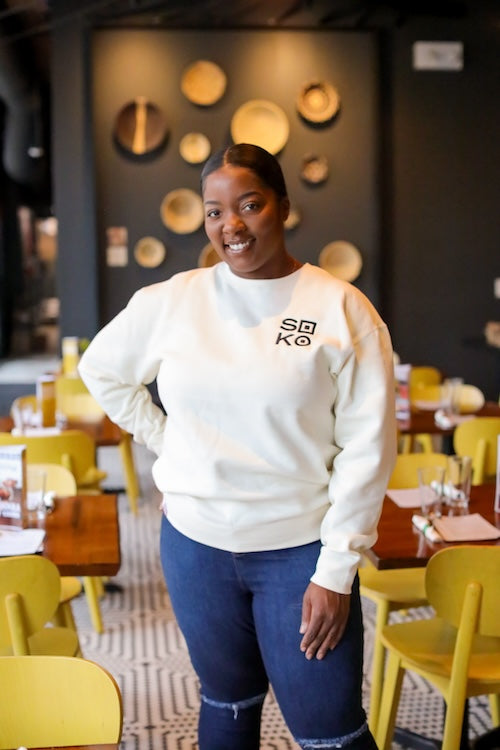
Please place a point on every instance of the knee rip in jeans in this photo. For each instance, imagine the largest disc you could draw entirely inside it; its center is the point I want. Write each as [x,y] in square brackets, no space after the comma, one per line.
[237,705]
[334,743]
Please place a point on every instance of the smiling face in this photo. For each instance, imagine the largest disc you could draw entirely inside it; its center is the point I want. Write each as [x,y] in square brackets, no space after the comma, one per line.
[244,222]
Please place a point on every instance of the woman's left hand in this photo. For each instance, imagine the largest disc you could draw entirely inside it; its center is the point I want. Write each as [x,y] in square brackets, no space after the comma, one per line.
[324,617]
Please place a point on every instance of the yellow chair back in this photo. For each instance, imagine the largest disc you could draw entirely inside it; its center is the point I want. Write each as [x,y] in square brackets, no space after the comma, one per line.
[51,701]
[59,480]
[448,577]
[425,375]
[30,587]
[458,650]
[74,449]
[74,401]
[404,475]
[478,437]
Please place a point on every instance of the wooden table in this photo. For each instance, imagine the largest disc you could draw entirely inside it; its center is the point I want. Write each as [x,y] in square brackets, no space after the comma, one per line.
[79,747]
[401,545]
[83,536]
[422,421]
[104,432]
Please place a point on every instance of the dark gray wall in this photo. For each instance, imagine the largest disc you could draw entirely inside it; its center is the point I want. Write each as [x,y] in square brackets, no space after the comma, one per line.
[430,254]
[258,65]
[443,233]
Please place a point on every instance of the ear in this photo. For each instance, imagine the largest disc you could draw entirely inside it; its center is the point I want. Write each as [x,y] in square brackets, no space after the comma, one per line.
[285,208]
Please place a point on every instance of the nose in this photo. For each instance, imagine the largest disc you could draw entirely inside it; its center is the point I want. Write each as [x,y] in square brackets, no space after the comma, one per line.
[233,222]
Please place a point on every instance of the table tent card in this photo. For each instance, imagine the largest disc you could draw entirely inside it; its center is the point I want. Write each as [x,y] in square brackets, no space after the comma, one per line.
[12,485]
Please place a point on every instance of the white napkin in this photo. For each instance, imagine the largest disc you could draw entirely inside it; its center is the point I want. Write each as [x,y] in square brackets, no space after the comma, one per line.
[470,528]
[408,498]
[36,431]
[447,421]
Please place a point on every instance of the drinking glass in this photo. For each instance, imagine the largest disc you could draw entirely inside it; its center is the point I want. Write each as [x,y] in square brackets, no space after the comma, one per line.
[458,482]
[450,397]
[430,482]
[35,496]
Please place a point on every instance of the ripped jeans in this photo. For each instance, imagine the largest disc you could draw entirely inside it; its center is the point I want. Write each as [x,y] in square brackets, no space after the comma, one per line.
[240,615]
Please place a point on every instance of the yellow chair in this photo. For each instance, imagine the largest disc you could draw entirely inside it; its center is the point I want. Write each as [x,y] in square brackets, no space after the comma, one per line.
[391,590]
[478,438]
[55,701]
[61,481]
[423,379]
[74,401]
[29,596]
[458,650]
[73,449]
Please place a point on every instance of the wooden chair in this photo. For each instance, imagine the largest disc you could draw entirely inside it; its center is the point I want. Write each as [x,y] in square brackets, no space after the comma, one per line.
[458,650]
[478,438]
[74,449]
[391,590]
[30,588]
[74,401]
[54,701]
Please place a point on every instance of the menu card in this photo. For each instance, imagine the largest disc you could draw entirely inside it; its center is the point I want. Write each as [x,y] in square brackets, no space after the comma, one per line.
[497,491]
[13,485]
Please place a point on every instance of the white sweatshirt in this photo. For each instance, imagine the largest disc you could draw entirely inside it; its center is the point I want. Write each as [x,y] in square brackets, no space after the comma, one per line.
[279,395]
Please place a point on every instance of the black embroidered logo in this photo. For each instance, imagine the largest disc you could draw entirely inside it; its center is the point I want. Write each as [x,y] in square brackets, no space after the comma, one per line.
[296,332]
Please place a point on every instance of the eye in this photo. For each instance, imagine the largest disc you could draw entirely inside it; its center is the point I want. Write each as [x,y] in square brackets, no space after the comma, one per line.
[213,213]
[251,206]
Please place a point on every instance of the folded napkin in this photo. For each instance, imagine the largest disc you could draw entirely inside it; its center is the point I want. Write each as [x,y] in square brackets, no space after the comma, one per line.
[470,528]
[409,498]
[427,528]
[36,431]
[447,421]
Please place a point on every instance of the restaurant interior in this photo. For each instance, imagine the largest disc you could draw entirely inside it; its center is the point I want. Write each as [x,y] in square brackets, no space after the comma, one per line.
[385,118]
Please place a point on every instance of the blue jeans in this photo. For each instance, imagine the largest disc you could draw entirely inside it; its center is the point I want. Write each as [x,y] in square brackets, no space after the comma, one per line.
[240,615]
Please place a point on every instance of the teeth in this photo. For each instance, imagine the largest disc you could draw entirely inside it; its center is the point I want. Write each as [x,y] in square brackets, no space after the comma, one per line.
[237,247]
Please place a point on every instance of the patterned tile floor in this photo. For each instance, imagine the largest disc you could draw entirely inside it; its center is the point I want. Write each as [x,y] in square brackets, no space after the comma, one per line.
[143,648]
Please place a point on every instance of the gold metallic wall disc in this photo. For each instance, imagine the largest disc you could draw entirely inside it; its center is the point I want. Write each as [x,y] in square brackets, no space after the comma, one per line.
[140,127]
[262,123]
[208,257]
[194,148]
[203,83]
[182,211]
[318,102]
[341,259]
[149,252]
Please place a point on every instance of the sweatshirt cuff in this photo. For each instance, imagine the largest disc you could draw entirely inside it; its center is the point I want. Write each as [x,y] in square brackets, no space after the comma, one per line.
[336,570]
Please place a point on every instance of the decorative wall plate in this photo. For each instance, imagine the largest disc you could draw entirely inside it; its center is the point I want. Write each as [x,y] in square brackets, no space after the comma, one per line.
[318,102]
[203,82]
[341,259]
[195,148]
[140,127]
[149,252]
[315,169]
[208,257]
[262,123]
[293,219]
[182,211]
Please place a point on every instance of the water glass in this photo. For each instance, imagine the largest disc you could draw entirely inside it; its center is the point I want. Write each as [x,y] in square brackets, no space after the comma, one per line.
[430,482]
[450,396]
[458,482]
[35,496]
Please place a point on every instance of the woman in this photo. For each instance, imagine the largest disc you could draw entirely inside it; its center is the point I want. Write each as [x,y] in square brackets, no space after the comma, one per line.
[273,460]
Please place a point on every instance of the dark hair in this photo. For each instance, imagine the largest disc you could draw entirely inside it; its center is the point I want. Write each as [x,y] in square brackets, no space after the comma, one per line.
[260,161]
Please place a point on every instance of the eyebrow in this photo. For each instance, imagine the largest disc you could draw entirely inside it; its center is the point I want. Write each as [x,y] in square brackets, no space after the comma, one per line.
[240,197]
